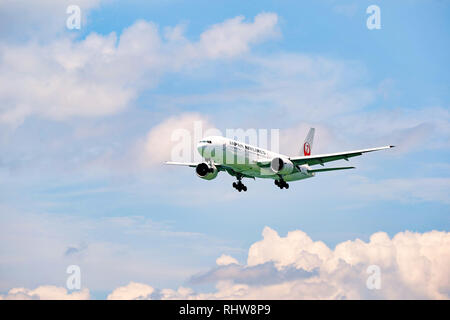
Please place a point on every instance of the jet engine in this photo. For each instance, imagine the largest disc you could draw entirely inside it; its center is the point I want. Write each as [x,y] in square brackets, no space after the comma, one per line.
[281,166]
[206,171]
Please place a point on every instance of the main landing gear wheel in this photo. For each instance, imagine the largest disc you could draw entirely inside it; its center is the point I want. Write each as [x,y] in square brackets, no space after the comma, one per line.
[239,186]
[282,184]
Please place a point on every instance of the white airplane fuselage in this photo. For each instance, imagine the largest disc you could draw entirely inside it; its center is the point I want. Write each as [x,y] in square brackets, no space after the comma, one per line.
[243,158]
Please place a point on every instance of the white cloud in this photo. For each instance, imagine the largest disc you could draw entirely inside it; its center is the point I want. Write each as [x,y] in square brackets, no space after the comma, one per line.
[45,293]
[101,75]
[225,260]
[132,291]
[413,265]
[297,248]
[180,293]
[173,139]
[234,36]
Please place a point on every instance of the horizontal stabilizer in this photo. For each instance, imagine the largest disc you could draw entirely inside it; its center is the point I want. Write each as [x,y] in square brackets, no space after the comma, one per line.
[330,169]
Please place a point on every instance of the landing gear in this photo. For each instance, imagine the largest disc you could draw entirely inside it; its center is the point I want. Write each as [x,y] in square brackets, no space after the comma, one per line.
[239,186]
[281,184]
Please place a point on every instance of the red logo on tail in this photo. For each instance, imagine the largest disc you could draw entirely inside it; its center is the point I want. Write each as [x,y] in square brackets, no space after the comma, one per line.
[306,149]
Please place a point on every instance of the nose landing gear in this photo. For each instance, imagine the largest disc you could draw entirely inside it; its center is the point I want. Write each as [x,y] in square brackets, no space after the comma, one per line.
[281,184]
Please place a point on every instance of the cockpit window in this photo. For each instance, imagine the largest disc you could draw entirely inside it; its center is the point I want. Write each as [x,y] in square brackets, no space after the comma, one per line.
[205,141]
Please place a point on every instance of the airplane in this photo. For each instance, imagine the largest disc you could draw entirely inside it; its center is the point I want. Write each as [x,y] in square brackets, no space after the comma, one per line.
[242,160]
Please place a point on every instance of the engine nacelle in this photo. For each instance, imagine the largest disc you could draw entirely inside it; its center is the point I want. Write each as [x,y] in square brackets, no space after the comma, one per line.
[281,166]
[206,171]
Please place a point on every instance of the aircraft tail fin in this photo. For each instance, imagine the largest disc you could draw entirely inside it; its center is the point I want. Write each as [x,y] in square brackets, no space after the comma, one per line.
[307,145]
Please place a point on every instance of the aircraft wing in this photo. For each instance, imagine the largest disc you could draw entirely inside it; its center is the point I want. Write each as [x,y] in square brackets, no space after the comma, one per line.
[322,158]
[192,164]
[219,167]
[187,164]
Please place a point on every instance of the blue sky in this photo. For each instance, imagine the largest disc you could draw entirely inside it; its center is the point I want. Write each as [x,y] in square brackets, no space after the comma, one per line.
[412,52]
[86,118]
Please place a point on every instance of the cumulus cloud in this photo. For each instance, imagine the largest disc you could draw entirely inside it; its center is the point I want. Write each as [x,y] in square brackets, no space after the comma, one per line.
[225,260]
[101,75]
[45,293]
[174,139]
[412,265]
[260,274]
[132,291]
